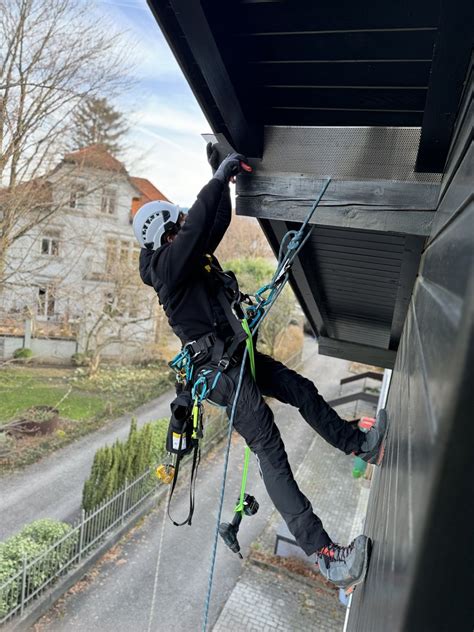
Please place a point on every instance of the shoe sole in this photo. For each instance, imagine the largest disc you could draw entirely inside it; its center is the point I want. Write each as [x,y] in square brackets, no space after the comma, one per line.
[368,550]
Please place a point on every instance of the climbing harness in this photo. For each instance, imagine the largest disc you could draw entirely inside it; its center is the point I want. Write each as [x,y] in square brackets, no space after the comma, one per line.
[245,315]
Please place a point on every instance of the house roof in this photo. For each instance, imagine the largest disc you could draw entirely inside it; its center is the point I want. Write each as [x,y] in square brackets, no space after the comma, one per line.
[148,193]
[95,156]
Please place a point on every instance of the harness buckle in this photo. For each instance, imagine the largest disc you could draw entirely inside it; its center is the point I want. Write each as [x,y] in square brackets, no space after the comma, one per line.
[192,352]
[223,364]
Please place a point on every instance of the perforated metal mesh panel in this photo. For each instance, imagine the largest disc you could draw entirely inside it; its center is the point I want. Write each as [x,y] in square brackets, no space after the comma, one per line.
[356,153]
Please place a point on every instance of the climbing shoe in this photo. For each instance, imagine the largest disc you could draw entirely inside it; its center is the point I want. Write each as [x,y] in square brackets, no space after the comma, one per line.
[373,447]
[345,566]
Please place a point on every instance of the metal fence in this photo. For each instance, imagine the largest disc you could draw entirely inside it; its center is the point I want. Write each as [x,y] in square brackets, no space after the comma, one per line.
[37,574]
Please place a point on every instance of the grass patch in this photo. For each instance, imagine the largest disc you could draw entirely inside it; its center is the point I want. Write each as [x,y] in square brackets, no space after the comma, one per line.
[84,403]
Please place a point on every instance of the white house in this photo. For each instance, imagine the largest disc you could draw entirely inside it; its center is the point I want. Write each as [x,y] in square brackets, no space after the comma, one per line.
[75,275]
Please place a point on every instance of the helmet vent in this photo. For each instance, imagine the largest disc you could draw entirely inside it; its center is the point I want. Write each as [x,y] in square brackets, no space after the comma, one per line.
[148,222]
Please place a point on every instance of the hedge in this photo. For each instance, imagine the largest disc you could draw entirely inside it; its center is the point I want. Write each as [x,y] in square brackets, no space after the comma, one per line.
[32,541]
[22,352]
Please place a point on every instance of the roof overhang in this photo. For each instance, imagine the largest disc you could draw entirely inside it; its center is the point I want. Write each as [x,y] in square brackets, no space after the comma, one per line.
[366,93]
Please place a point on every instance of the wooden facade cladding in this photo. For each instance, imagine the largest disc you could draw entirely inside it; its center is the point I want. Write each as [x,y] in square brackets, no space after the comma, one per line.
[421,499]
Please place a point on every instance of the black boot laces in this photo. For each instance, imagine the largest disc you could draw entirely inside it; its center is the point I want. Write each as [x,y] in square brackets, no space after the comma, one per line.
[335,552]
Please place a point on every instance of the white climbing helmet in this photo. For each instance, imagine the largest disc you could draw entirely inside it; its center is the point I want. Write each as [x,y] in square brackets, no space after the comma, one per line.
[152,220]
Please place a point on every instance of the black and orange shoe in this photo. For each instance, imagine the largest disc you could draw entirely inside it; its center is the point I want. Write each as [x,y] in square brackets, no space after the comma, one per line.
[345,566]
[373,447]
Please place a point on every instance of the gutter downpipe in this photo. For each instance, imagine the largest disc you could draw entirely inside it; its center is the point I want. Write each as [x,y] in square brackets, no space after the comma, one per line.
[384,389]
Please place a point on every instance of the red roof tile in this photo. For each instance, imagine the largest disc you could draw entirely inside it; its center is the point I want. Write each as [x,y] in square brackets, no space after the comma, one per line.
[148,193]
[95,156]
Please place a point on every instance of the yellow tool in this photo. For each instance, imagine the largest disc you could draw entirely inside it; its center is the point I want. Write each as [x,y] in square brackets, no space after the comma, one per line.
[165,473]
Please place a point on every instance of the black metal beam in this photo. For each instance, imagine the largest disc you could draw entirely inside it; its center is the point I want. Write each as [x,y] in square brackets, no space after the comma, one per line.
[191,39]
[451,59]
[356,352]
[354,397]
[362,376]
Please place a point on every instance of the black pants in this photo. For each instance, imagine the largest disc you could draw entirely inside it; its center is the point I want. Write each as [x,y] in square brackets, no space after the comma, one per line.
[254,422]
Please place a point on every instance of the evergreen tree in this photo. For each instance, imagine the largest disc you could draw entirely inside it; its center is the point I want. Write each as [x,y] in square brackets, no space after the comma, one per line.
[105,473]
[97,122]
[131,450]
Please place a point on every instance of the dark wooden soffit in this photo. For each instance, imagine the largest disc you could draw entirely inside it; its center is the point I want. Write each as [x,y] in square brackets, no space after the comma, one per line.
[452,54]
[368,63]
[318,312]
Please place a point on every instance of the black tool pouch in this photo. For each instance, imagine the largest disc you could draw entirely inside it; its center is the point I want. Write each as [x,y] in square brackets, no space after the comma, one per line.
[179,439]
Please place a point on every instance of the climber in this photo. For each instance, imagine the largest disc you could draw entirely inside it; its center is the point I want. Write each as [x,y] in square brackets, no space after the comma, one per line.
[177,260]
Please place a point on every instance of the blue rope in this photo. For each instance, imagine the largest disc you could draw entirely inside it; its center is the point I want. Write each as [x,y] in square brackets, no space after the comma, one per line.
[221,500]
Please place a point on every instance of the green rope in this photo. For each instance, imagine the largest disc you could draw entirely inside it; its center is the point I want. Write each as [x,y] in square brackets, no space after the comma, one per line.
[240,505]
[249,342]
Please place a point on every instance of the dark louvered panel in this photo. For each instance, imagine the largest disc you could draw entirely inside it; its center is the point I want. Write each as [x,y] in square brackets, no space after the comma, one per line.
[302,65]
[357,276]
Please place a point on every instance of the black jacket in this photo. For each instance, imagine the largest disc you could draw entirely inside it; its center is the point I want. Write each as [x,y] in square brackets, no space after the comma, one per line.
[176,270]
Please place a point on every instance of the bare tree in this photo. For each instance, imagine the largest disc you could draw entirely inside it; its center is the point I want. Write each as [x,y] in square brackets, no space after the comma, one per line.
[125,316]
[54,54]
[244,238]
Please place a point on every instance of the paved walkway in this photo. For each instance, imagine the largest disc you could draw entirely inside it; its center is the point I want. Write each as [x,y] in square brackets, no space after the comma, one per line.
[117,595]
[263,601]
[52,488]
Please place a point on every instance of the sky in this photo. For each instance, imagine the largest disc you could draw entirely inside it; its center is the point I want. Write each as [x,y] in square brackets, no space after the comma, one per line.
[166,122]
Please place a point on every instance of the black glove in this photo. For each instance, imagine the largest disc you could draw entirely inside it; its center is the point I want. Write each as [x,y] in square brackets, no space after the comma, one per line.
[229,167]
[212,157]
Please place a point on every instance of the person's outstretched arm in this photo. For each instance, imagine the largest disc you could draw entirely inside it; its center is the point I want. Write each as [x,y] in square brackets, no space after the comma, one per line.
[172,265]
[221,222]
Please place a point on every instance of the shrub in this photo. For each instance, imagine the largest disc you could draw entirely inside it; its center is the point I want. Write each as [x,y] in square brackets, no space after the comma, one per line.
[23,353]
[80,359]
[124,461]
[33,540]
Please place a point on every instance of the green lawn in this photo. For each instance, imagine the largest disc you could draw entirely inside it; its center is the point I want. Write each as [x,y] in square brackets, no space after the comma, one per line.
[111,392]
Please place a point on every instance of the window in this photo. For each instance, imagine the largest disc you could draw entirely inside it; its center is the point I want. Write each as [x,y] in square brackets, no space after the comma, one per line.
[50,244]
[135,255]
[111,255]
[45,301]
[109,201]
[133,307]
[109,301]
[124,251]
[121,254]
[76,195]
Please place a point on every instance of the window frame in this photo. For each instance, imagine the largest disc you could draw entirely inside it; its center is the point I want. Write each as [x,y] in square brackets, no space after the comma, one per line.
[108,201]
[46,302]
[77,193]
[53,239]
